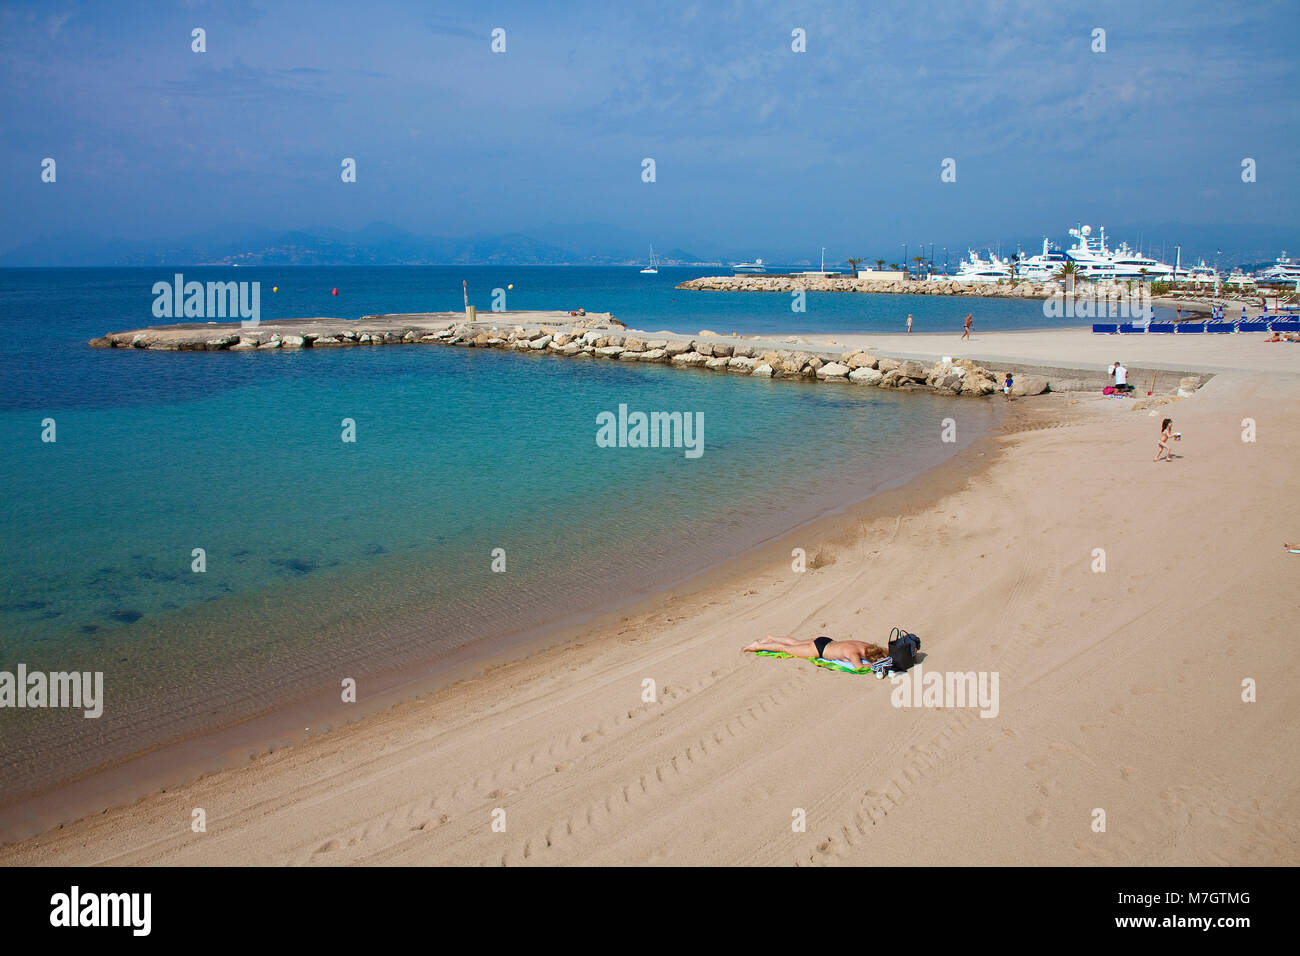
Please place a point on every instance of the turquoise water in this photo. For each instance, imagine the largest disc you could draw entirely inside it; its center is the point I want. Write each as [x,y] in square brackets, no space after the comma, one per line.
[326,557]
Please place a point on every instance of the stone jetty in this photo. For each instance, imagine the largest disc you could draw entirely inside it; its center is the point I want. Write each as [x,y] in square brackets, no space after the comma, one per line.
[601,336]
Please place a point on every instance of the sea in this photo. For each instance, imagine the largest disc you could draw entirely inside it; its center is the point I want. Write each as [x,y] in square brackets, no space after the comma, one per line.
[196,527]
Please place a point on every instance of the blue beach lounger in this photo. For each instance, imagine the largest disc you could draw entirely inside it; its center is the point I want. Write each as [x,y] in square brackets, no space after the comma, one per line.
[1252,325]
[1190,327]
[1126,327]
[1105,327]
[1286,325]
[1218,326]
[1160,327]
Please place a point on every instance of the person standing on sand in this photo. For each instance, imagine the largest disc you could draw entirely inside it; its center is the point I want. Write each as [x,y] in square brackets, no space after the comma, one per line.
[1007,386]
[855,652]
[965,332]
[1166,436]
[909,323]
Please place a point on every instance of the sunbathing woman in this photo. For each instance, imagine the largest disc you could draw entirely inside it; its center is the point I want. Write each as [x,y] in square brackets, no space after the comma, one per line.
[855,652]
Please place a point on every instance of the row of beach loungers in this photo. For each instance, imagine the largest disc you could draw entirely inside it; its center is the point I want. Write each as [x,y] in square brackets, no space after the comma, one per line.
[1289,324]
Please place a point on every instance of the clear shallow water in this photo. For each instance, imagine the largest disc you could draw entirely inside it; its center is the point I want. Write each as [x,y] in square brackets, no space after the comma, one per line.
[327,558]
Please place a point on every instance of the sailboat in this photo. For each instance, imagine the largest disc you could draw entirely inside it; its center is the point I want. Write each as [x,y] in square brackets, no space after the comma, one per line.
[653,268]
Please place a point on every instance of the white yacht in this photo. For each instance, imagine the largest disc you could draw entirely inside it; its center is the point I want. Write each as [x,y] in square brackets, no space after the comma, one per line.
[1199,274]
[1042,267]
[755,267]
[1094,261]
[1240,280]
[1283,271]
[975,269]
[653,267]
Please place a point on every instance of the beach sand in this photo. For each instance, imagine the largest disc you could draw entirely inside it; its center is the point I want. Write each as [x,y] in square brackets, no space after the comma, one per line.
[1119,690]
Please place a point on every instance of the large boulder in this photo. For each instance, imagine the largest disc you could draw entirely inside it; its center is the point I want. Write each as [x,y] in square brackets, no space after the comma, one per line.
[633,344]
[292,342]
[952,383]
[718,363]
[540,343]
[887,365]
[741,363]
[764,370]
[865,376]
[610,351]
[858,360]
[1029,385]
[913,370]
[721,350]
[679,348]
[833,371]
[689,359]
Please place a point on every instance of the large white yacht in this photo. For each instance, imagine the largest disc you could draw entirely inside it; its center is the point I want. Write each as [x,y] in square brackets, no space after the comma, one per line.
[1094,261]
[1199,274]
[975,269]
[1283,271]
[756,266]
[1042,267]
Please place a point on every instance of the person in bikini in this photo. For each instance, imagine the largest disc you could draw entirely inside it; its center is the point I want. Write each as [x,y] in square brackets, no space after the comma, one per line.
[855,652]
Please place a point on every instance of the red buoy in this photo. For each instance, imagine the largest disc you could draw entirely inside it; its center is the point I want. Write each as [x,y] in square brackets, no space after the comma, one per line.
[335,292]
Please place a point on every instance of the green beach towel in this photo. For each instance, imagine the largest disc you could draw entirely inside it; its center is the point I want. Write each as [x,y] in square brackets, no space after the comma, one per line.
[880,668]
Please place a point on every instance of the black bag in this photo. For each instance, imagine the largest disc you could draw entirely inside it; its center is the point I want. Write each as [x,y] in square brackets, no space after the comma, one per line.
[903,648]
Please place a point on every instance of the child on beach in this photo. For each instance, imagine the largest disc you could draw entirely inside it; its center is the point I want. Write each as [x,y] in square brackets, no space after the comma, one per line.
[855,652]
[1167,434]
[1006,386]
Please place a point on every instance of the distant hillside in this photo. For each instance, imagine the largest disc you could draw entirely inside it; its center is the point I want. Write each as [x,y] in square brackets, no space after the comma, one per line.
[377,244]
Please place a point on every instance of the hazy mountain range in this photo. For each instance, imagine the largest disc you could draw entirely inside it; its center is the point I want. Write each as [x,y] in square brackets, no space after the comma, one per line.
[594,244]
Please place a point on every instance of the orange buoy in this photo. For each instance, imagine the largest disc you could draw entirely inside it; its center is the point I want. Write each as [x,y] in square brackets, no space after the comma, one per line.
[334,292]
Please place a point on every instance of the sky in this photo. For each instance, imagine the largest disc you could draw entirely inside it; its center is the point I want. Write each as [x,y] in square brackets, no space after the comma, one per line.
[758,149]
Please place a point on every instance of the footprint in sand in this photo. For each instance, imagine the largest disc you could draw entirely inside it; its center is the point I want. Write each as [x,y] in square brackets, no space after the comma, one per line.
[1036,818]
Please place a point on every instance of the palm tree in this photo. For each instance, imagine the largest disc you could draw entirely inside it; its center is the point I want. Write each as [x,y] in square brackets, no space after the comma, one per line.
[853,263]
[880,265]
[918,260]
[893,266]
[1066,274]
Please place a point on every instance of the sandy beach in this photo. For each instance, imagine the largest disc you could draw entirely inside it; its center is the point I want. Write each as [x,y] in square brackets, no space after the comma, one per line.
[1119,690]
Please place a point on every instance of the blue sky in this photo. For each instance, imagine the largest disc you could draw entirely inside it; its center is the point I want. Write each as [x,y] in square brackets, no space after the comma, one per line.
[757,147]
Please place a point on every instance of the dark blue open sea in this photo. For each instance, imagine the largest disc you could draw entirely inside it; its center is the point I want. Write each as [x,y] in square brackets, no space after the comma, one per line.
[326,558]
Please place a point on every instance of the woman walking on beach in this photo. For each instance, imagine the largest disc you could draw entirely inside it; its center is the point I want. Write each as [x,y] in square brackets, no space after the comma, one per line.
[965,332]
[909,323]
[1166,436]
